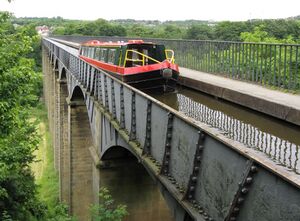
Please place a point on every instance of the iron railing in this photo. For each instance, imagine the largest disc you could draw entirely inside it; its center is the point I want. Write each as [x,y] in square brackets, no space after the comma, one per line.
[266,64]
[279,150]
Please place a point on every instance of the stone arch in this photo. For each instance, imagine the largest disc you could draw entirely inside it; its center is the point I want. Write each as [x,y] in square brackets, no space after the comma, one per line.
[77,94]
[62,138]
[117,152]
[80,161]
[63,74]
[56,64]
[130,183]
[52,59]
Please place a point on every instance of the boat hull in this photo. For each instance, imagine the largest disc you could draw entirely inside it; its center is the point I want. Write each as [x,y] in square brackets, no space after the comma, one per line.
[151,82]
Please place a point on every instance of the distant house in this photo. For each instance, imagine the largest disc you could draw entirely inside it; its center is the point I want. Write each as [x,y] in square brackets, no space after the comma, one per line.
[42,30]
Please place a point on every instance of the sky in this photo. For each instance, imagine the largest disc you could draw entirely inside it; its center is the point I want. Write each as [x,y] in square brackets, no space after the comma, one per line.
[216,10]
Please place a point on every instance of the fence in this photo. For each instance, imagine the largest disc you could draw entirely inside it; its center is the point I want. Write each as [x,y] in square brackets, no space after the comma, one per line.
[266,64]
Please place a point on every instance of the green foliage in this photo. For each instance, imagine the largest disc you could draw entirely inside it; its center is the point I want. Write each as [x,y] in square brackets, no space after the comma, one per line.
[199,32]
[230,31]
[18,138]
[100,27]
[47,182]
[107,210]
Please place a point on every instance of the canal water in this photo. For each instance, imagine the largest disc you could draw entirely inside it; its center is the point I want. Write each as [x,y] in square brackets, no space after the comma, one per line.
[279,140]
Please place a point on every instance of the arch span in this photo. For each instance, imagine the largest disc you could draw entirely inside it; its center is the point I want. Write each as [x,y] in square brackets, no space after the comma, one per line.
[56,64]
[77,94]
[63,74]
[81,166]
[130,184]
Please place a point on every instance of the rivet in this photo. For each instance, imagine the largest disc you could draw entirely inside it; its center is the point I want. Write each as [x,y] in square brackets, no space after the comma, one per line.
[190,196]
[205,214]
[166,171]
[194,178]
[196,169]
[236,209]
[202,136]
[167,153]
[200,147]
[249,180]
[192,188]
[253,169]
[240,200]
[169,135]
[198,158]
[200,211]
[244,190]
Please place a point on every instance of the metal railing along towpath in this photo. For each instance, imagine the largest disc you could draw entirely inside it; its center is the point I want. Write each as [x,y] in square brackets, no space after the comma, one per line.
[263,63]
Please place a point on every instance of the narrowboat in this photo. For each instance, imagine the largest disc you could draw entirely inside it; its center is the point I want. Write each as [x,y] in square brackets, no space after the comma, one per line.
[144,65]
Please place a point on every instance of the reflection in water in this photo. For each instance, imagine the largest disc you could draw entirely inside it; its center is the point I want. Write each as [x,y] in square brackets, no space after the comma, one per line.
[280,150]
[278,141]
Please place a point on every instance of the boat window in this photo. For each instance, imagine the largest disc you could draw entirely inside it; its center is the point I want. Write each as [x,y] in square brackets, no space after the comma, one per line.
[145,54]
[111,55]
[103,54]
[84,51]
[91,52]
[97,53]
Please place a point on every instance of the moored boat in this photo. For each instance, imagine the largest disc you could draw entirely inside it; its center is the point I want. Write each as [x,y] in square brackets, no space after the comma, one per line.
[144,65]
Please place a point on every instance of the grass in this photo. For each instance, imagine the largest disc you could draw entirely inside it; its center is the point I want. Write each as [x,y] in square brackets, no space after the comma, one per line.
[46,177]
[45,174]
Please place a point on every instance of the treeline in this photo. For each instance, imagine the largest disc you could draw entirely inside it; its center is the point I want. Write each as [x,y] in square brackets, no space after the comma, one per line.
[20,87]
[189,29]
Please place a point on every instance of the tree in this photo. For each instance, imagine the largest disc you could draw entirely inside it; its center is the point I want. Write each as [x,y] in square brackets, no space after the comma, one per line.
[18,138]
[230,31]
[107,210]
[199,32]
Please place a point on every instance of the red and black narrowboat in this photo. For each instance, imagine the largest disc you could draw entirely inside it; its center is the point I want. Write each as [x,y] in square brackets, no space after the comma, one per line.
[144,65]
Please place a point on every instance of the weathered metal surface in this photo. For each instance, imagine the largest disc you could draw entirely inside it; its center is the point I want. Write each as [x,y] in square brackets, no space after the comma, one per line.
[216,183]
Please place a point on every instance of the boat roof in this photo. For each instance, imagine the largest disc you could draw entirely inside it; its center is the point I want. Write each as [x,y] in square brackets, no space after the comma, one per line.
[110,43]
